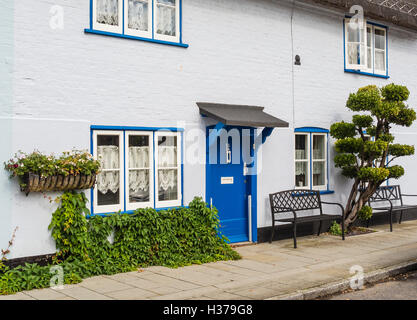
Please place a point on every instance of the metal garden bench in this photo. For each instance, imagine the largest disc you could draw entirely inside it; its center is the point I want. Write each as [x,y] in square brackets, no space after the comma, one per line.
[391,194]
[299,200]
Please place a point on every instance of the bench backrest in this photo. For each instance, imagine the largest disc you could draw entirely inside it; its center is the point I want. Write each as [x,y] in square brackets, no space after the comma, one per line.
[387,193]
[294,200]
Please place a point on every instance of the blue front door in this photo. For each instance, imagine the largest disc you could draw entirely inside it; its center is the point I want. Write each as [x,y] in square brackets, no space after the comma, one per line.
[227,186]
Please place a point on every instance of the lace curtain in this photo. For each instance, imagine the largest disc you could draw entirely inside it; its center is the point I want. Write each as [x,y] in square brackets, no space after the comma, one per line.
[166,17]
[109,178]
[300,154]
[138,14]
[139,176]
[300,168]
[108,12]
[167,157]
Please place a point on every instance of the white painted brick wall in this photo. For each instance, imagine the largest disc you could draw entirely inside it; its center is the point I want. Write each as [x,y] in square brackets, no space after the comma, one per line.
[240,52]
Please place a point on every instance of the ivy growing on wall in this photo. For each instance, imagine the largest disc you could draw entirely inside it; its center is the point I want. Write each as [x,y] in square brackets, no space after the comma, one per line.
[122,242]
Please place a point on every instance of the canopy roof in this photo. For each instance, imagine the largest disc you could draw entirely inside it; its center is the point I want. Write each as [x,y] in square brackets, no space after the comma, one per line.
[240,115]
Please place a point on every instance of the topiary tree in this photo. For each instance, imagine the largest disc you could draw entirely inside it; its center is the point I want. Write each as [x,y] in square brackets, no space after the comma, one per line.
[364,147]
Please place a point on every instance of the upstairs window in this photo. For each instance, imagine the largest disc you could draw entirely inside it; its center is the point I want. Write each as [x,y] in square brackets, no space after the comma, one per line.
[366,48]
[149,19]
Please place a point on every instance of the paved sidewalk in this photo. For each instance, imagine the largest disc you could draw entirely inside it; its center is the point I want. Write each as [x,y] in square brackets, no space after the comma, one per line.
[267,271]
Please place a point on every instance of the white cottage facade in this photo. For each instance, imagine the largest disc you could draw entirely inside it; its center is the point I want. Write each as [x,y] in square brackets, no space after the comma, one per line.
[123,79]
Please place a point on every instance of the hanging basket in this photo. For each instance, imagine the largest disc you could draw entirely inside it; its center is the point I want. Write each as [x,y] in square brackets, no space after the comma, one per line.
[35,183]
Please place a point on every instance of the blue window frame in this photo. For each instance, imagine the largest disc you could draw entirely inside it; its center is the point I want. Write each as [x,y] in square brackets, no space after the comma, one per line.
[141,167]
[158,21]
[365,48]
[311,159]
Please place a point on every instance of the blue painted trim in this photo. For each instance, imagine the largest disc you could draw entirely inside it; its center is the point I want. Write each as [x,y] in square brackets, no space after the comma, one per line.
[153,19]
[182,168]
[311,129]
[124,169]
[327,163]
[92,189]
[91,14]
[327,192]
[125,36]
[266,132]
[99,127]
[180,21]
[254,189]
[367,73]
[130,212]
[154,172]
[344,44]
[311,161]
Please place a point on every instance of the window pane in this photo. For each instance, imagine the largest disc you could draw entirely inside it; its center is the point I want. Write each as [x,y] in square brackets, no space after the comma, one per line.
[301,174]
[168,184]
[138,168]
[380,60]
[167,151]
[318,173]
[353,33]
[300,146]
[168,2]
[166,16]
[138,15]
[379,39]
[108,12]
[353,53]
[369,37]
[319,147]
[167,168]
[108,181]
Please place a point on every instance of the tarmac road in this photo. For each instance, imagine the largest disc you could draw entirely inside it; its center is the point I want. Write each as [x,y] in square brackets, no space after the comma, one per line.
[403,287]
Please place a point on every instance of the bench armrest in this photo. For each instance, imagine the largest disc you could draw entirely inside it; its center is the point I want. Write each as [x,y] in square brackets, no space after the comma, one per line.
[390,203]
[337,204]
[409,195]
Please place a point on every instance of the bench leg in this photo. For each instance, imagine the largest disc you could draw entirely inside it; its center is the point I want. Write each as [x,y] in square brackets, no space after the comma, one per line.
[390,221]
[318,232]
[367,222]
[401,217]
[295,234]
[272,231]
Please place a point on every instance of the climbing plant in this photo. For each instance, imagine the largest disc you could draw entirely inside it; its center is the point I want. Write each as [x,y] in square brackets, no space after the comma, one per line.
[89,246]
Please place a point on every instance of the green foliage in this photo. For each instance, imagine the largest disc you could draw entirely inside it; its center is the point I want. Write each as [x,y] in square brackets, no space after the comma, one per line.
[335,229]
[70,162]
[365,213]
[395,92]
[362,158]
[362,121]
[395,172]
[366,99]
[372,174]
[69,226]
[400,150]
[341,130]
[172,238]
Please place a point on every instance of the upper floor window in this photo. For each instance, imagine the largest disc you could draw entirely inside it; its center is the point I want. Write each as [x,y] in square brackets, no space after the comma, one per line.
[366,48]
[139,169]
[150,19]
[311,159]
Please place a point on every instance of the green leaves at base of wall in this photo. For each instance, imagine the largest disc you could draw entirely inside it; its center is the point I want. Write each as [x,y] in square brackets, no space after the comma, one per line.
[122,243]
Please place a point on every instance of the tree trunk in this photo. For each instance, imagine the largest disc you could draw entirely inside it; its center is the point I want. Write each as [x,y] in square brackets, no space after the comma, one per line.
[355,202]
